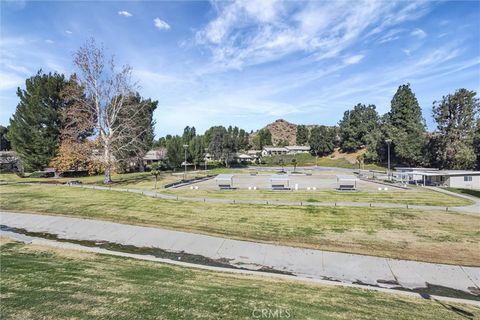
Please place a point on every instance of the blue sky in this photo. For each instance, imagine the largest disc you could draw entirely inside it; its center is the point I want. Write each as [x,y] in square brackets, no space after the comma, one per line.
[247,63]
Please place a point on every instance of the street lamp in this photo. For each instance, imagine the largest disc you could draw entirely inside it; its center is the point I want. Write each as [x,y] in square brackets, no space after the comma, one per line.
[205,160]
[388,141]
[185,146]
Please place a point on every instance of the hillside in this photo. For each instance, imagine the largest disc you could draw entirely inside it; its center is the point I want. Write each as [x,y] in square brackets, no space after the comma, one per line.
[282,130]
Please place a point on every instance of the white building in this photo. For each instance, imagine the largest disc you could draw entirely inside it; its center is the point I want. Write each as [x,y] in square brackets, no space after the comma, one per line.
[297,149]
[446,178]
[273,151]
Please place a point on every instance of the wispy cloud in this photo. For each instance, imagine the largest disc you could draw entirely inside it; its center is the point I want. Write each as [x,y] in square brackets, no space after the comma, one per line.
[353,59]
[49,41]
[419,33]
[246,33]
[68,32]
[160,24]
[124,13]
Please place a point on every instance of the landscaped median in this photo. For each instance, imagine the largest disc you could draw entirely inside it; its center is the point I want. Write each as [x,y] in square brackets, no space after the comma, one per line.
[41,282]
[433,236]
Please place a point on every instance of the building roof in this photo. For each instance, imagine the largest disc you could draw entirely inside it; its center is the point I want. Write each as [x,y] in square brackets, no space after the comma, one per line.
[447,173]
[224,177]
[415,169]
[301,148]
[279,177]
[156,154]
[277,149]
[244,156]
[346,177]
[253,152]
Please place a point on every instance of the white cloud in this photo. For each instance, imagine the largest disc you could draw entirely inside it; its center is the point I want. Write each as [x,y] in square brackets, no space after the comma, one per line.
[406,51]
[419,33]
[353,59]
[68,32]
[9,81]
[160,24]
[49,41]
[124,13]
[246,33]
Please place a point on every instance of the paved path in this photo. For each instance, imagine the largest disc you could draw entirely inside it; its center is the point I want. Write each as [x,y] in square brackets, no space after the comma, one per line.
[472,209]
[315,264]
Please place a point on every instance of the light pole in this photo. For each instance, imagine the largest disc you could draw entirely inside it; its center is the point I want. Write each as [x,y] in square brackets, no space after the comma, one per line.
[388,141]
[185,146]
[205,160]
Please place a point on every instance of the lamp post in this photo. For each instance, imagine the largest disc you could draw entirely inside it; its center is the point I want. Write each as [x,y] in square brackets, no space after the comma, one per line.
[205,160]
[388,141]
[185,146]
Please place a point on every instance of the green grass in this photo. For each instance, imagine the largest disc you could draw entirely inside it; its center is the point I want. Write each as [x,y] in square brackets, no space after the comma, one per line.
[418,196]
[45,283]
[434,236]
[470,192]
[145,181]
[306,159]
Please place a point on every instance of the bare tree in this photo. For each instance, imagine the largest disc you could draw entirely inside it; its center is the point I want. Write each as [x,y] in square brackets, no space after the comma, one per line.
[103,105]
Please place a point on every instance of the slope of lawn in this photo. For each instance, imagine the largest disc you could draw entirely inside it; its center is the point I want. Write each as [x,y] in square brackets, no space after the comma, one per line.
[434,236]
[469,192]
[38,282]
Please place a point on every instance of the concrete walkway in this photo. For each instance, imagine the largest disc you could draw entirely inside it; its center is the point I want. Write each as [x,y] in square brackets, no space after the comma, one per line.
[472,209]
[315,264]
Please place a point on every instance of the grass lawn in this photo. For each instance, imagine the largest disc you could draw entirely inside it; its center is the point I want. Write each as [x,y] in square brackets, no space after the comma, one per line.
[434,236]
[419,196]
[306,159]
[470,192]
[45,283]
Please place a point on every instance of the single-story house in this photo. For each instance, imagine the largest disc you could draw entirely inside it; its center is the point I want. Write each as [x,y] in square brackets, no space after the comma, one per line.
[273,151]
[446,178]
[244,158]
[155,155]
[297,149]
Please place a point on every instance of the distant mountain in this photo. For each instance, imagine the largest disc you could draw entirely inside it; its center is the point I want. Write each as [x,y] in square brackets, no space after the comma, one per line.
[282,130]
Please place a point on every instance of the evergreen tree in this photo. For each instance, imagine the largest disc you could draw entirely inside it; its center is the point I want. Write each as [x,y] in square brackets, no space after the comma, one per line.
[322,140]
[35,127]
[302,135]
[455,116]
[4,142]
[263,138]
[476,143]
[188,134]
[358,127]
[142,133]
[405,126]
[175,152]
[196,149]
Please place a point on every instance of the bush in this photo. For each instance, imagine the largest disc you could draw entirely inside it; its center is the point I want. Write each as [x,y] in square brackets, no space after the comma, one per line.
[42,174]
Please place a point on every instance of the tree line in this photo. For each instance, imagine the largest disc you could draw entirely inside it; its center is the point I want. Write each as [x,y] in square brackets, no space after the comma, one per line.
[97,121]
[455,144]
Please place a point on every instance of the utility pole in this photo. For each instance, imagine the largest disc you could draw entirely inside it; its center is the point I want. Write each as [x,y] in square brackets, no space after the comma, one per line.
[388,141]
[185,146]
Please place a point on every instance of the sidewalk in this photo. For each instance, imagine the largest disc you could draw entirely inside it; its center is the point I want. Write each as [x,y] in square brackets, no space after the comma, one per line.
[316,264]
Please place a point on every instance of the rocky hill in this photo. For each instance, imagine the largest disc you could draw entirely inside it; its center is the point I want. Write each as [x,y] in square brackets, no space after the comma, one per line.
[282,130]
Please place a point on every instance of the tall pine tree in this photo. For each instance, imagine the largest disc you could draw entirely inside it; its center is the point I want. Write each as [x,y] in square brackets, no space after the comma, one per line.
[405,126]
[302,135]
[455,116]
[35,127]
